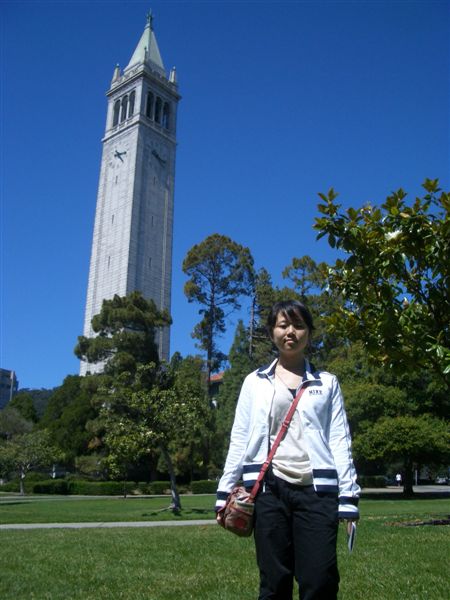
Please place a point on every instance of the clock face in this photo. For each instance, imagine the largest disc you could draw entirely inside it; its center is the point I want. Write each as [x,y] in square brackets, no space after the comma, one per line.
[120,154]
[159,158]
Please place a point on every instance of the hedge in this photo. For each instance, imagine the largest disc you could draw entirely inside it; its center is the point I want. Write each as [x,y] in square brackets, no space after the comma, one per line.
[158,488]
[372,481]
[100,488]
[51,486]
[204,486]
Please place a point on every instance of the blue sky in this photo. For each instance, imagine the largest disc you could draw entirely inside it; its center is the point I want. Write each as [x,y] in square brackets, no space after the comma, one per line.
[281,100]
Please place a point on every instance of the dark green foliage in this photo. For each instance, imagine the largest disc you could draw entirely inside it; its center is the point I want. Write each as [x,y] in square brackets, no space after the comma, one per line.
[158,488]
[23,403]
[40,398]
[125,328]
[205,486]
[395,279]
[51,486]
[13,423]
[372,481]
[240,366]
[66,417]
[100,488]
[220,272]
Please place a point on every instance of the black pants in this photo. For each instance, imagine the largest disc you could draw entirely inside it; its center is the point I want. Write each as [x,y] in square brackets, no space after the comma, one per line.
[295,535]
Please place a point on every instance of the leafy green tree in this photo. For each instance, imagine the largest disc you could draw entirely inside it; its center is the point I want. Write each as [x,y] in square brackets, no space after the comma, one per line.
[23,402]
[241,364]
[372,395]
[12,423]
[395,281]
[265,295]
[142,407]
[68,412]
[28,451]
[220,272]
[125,328]
[306,275]
[412,439]
[40,397]
[144,412]
[195,456]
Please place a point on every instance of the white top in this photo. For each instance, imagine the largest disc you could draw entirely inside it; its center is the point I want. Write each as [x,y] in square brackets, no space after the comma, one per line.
[291,461]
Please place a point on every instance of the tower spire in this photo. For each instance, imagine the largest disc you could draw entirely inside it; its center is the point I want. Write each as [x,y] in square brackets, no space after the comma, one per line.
[150,19]
[147,50]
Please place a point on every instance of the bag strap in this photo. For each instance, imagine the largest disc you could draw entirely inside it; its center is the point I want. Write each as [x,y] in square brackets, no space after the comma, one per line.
[281,433]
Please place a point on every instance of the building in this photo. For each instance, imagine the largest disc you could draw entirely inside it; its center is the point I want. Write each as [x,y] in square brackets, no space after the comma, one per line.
[8,386]
[132,242]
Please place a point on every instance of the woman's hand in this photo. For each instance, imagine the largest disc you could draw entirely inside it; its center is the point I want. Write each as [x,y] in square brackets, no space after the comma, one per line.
[349,523]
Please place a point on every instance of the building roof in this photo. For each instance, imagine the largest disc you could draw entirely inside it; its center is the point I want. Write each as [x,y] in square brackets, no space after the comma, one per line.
[216,377]
[147,50]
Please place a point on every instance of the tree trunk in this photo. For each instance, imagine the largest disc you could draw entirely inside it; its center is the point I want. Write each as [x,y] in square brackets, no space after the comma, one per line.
[176,503]
[21,483]
[408,474]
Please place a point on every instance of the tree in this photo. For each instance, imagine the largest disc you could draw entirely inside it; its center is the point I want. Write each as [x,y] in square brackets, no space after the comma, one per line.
[144,413]
[220,271]
[126,328]
[141,408]
[23,402]
[194,457]
[395,281]
[414,440]
[13,423]
[27,451]
[66,417]
[241,365]
[375,396]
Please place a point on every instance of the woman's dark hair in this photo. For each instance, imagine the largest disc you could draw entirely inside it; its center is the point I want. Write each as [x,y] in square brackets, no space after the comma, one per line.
[292,309]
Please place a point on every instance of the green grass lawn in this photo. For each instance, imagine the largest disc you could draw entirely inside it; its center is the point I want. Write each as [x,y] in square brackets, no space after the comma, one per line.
[206,563]
[70,509]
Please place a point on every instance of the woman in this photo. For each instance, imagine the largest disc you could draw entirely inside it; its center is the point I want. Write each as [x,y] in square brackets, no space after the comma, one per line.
[311,483]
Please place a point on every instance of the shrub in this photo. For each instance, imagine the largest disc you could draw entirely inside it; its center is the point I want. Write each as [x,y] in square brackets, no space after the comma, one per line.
[159,487]
[51,486]
[100,488]
[372,481]
[14,486]
[204,486]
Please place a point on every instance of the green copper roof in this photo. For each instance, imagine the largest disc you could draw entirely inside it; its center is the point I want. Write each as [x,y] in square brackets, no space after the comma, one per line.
[147,50]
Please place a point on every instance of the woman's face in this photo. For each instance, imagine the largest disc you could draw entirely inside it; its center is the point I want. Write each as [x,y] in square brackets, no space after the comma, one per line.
[290,335]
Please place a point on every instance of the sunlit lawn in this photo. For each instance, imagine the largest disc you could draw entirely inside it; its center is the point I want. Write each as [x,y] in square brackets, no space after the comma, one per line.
[207,563]
[33,509]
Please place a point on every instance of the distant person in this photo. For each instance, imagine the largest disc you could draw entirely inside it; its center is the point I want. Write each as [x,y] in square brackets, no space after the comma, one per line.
[311,483]
[398,479]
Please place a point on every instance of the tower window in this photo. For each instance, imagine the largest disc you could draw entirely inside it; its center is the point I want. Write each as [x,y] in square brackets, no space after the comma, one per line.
[166,115]
[116,112]
[131,105]
[158,110]
[123,115]
[150,104]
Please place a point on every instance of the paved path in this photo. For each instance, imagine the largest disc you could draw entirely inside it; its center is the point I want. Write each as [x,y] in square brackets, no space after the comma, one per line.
[107,525]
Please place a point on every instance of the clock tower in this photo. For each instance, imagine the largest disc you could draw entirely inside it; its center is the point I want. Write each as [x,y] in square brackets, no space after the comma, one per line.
[132,242]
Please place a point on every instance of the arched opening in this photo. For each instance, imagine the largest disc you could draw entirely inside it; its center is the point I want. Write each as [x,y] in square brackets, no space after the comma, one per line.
[166,116]
[116,112]
[131,104]
[150,105]
[158,110]
[123,115]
